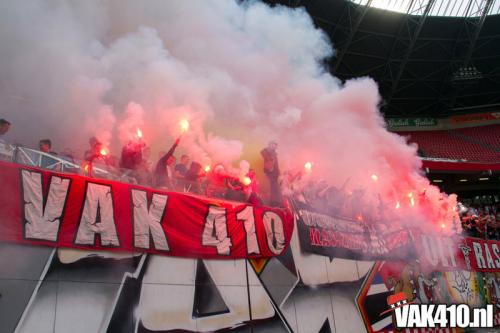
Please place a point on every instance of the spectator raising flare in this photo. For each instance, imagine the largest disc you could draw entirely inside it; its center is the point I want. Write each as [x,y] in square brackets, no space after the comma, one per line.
[131,157]
[164,171]
[251,189]
[216,182]
[94,152]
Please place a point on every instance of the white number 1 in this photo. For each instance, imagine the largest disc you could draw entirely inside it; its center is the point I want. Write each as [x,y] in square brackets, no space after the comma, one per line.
[246,215]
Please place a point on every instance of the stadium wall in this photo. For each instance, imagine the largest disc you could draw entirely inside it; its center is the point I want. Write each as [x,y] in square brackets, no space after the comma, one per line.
[65,290]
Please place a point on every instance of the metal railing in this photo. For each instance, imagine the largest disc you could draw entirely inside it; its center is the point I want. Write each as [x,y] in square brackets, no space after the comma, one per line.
[68,164]
[59,163]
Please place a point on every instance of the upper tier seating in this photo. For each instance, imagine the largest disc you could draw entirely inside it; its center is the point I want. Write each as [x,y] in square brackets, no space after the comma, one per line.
[478,144]
[488,135]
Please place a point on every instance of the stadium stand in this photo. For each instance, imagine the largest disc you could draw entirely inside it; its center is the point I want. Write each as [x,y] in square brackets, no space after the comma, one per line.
[476,144]
[486,135]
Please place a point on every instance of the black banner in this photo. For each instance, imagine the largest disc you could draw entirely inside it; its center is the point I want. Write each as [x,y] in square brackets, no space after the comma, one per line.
[338,237]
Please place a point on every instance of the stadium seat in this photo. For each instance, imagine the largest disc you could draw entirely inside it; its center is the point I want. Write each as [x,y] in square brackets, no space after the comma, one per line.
[478,144]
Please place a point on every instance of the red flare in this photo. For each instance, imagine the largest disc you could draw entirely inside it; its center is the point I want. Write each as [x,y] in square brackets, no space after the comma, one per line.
[184,123]
[412,200]
[246,181]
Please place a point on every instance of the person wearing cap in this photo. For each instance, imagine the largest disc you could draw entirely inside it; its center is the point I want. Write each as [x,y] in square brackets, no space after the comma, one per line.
[272,172]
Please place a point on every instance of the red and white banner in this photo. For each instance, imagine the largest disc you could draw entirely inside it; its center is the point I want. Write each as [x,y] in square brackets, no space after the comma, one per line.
[337,237]
[444,253]
[64,210]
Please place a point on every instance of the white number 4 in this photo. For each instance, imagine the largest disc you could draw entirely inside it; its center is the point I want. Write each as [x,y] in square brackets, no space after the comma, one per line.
[215,231]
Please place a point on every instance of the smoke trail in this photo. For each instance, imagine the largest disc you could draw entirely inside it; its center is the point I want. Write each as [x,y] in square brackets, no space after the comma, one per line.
[241,73]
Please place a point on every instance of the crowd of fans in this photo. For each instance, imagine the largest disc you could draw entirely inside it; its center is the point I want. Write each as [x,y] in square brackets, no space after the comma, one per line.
[350,204]
[217,182]
[136,166]
[481,220]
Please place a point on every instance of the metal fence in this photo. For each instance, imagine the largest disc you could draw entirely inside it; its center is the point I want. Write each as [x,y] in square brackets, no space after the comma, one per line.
[68,164]
[59,163]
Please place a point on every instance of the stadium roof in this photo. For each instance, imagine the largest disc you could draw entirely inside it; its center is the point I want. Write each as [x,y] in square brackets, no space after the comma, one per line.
[458,8]
[425,65]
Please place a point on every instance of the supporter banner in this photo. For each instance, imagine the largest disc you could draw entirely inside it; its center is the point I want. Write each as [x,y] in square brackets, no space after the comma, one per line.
[341,238]
[63,210]
[475,118]
[437,252]
[411,122]
[445,253]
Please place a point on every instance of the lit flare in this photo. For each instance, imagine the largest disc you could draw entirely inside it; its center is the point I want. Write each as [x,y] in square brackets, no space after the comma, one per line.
[412,199]
[246,181]
[184,123]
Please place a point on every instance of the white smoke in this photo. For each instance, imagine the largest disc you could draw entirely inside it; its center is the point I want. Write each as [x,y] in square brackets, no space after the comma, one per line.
[241,73]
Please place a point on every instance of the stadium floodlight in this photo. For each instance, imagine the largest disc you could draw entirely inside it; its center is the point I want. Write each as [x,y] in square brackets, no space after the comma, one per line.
[467,73]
